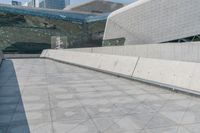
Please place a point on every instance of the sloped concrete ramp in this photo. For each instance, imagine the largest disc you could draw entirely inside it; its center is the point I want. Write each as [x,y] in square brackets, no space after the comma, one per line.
[44,96]
[174,74]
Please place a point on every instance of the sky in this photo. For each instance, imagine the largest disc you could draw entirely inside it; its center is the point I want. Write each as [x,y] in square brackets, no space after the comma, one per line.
[72,1]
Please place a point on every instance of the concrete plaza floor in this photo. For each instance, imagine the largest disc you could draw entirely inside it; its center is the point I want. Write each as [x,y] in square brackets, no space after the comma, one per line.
[44,96]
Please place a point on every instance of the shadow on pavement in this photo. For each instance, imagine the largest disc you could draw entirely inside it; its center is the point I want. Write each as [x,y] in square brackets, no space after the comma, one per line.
[12,113]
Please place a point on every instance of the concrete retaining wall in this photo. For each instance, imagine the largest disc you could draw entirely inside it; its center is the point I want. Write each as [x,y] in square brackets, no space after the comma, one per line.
[169,51]
[13,56]
[121,65]
[184,76]
[174,74]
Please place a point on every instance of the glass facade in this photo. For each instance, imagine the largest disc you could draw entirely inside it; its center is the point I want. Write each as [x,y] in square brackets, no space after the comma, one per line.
[29,30]
[56,4]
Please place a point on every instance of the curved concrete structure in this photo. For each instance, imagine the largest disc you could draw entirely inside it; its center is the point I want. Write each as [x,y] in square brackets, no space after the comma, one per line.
[95,6]
[154,21]
[178,75]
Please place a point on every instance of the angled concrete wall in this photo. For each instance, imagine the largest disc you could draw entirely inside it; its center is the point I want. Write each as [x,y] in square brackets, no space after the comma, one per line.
[184,76]
[121,65]
[154,21]
[169,51]
[171,73]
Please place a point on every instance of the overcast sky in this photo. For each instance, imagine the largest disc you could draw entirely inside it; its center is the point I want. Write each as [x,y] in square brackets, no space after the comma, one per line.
[72,1]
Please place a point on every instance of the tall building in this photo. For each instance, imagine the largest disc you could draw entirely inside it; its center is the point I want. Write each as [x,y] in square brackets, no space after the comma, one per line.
[16,3]
[30,4]
[42,4]
[56,4]
[35,3]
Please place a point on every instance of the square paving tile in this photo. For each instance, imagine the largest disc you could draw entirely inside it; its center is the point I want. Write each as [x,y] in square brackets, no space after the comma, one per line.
[40,95]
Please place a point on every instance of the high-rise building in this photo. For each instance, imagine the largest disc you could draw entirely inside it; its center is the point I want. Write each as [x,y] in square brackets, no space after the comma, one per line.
[42,4]
[16,3]
[56,4]
[52,4]
[35,3]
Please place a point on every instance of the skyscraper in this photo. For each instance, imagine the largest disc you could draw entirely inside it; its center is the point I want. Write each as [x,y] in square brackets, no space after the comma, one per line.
[56,4]
[34,3]
[16,3]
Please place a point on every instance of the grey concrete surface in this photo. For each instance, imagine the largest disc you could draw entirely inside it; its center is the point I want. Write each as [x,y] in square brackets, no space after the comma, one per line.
[189,51]
[40,95]
[119,65]
[14,56]
[177,75]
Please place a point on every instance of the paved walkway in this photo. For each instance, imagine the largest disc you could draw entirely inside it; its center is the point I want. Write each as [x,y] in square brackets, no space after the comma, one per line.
[43,96]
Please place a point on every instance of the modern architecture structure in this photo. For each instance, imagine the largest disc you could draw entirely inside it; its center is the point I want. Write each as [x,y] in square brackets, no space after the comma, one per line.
[37,26]
[96,6]
[154,21]
[129,89]
[16,3]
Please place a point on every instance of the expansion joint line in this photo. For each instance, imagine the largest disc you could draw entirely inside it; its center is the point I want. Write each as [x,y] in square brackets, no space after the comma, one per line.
[135,66]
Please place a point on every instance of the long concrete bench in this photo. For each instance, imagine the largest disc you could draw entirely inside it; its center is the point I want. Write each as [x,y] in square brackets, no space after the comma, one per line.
[178,75]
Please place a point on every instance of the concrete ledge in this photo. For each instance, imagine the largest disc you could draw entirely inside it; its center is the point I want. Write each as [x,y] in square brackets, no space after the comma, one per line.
[120,65]
[177,75]
[172,73]
[189,51]
[15,56]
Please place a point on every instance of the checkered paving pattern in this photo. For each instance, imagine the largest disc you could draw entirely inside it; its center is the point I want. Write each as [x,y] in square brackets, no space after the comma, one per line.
[44,96]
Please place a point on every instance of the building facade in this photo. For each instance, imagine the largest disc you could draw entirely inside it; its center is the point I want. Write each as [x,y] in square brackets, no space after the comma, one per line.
[154,21]
[33,3]
[56,4]
[16,3]
[39,28]
[96,6]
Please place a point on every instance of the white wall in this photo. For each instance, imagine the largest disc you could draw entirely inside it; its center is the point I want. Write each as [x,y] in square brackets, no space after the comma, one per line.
[170,51]
[178,75]
[174,74]
[154,21]
[121,65]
